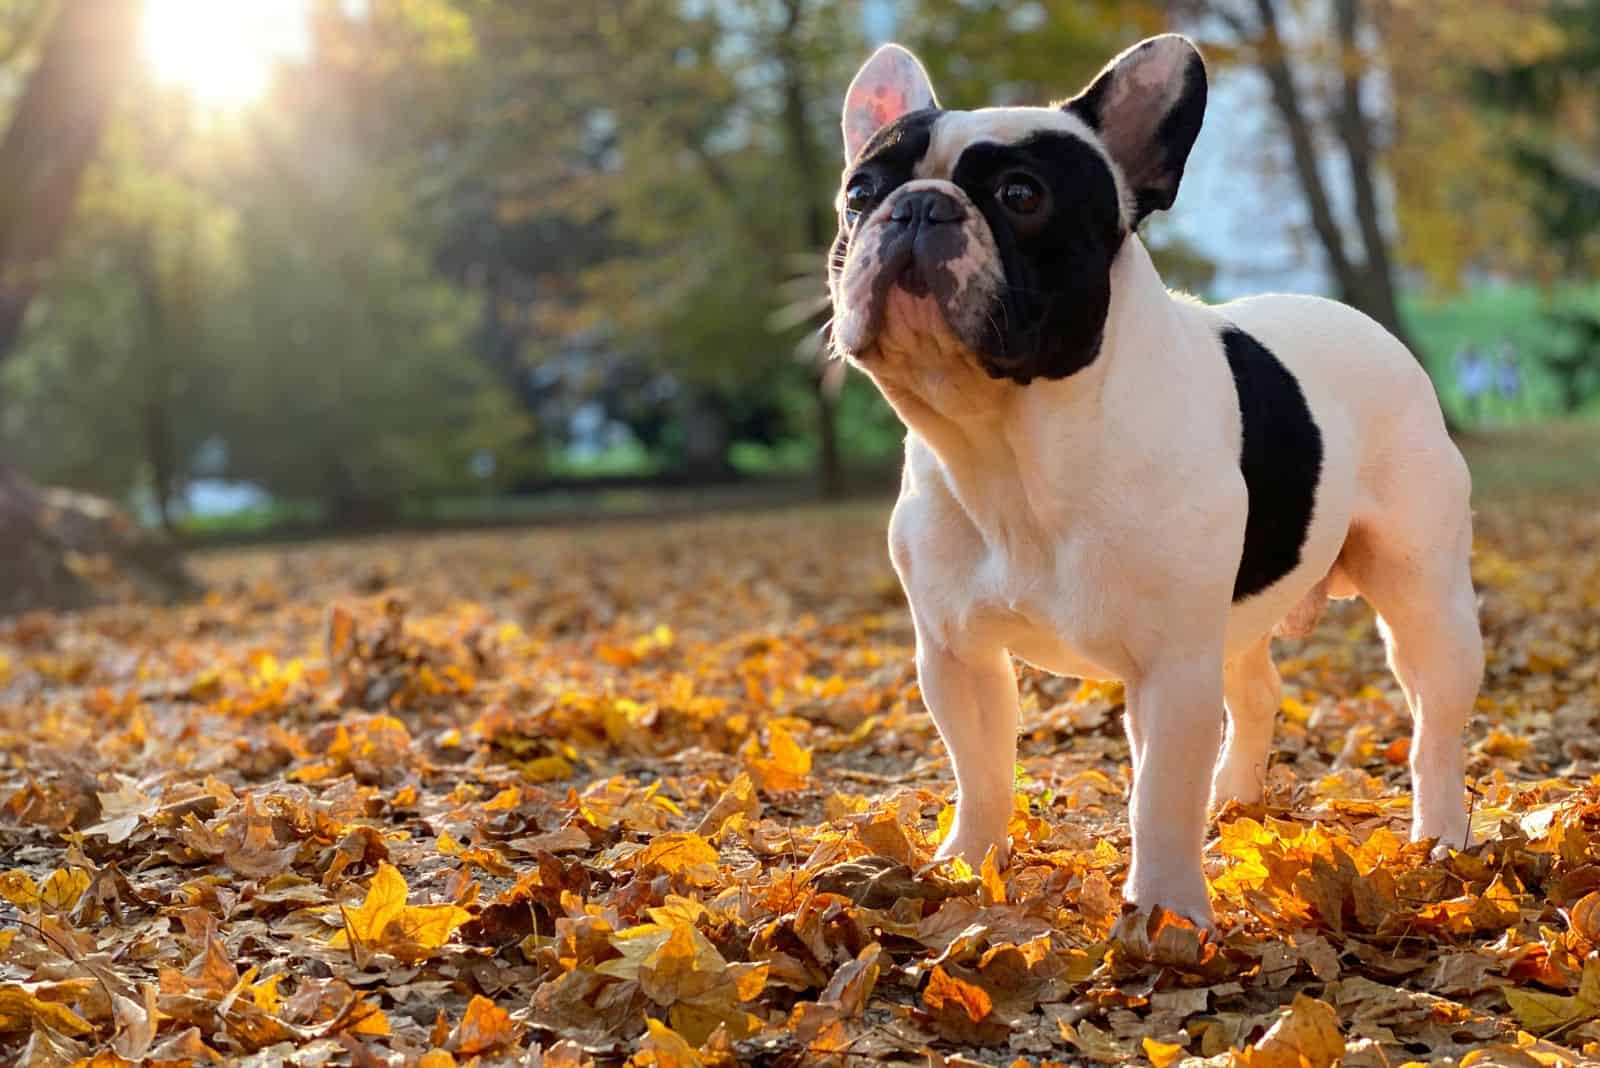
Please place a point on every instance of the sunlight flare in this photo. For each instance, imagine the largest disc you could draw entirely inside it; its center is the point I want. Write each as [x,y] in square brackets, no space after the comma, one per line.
[223,53]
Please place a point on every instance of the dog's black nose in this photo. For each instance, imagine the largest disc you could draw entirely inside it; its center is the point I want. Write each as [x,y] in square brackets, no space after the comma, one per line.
[926,207]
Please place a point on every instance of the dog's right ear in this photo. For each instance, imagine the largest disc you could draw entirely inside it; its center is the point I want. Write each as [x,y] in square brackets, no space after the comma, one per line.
[890,84]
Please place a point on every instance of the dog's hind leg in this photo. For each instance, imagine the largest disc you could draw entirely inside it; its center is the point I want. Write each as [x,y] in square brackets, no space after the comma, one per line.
[1251,691]
[1411,561]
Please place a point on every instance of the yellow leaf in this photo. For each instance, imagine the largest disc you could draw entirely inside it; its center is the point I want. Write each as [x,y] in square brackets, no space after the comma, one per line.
[368,1019]
[436,1058]
[424,927]
[682,853]
[63,889]
[1307,1036]
[508,798]
[385,901]
[19,1010]
[18,887]
[385,922]
[265,994]
[1162,1054]
[545,769]
[1542,1013]
[786,768]
[664,1048]
[993,887]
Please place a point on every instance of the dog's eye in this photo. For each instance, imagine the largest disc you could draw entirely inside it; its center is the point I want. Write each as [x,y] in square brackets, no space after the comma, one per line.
[859,195]
[1020,194]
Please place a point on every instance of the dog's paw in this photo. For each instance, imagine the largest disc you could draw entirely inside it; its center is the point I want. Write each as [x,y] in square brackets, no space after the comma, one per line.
[1198,913]
[1187,897]
[1450,840]
[973,849]
[1234,784]
[1443,848]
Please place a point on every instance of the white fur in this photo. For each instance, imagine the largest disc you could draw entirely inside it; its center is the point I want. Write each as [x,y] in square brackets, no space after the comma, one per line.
[956,130]
[1093,526]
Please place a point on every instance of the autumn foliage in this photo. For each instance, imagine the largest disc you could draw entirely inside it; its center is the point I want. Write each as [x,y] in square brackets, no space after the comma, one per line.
[666,795]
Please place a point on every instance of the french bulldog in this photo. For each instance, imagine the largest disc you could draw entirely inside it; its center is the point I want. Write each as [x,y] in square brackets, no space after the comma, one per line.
[1110,480]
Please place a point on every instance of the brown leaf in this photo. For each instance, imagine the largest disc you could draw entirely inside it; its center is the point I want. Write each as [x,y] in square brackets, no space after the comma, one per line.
[1306,1036]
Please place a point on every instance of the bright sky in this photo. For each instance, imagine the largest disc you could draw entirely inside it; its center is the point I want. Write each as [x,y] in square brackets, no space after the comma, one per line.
[222,51]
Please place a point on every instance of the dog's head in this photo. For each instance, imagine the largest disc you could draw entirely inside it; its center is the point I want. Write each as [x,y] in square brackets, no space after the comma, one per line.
[985,238]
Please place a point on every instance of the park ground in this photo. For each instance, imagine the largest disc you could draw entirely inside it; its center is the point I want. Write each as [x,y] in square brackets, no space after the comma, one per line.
[661,791]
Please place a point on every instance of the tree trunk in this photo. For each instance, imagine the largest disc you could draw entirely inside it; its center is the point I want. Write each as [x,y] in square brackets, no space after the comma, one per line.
[1274,61]
[54,134]
[706,436]
[58,549]
[804,157]
[1368,284]
[1380,298]
[157,385]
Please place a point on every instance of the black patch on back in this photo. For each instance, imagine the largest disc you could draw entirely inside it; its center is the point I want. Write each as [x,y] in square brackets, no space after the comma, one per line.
[1058,279]
[1280,456]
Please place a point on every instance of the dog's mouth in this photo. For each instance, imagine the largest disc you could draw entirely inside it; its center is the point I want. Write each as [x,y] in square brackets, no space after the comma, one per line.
[922,270]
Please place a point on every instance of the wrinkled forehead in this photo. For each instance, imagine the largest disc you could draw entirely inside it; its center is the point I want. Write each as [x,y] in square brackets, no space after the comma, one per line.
[955,131]
[930,143]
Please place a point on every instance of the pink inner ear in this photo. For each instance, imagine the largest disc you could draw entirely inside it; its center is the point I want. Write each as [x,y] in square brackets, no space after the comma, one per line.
[870,110]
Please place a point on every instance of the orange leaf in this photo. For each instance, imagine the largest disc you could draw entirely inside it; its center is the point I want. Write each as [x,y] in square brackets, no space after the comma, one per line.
[485,1027]
[1162,1054]
[788,766]
[945,992]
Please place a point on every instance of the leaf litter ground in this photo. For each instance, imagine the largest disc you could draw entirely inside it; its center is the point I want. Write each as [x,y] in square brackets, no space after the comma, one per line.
[666,794]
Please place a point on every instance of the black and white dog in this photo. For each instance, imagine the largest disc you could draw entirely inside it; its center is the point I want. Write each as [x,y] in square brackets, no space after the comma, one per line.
[1108,480]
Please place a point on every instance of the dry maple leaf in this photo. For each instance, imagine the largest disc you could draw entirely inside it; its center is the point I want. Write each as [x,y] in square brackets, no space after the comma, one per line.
[383,922]
[484,1028]
[786,768]
[1307,1036]
[945,993]
[1543,1013]
[20,1010]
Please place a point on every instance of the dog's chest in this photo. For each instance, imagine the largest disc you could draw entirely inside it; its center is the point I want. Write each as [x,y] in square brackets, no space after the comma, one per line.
[1046,606]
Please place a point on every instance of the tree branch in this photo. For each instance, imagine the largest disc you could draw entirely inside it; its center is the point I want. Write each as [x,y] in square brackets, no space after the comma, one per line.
[1274,63]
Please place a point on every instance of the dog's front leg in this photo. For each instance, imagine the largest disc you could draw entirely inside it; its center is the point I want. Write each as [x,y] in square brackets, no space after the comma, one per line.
[1175,711]
[973,700]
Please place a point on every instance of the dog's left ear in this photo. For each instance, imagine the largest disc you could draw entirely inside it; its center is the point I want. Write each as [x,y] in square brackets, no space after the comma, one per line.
[1147,106]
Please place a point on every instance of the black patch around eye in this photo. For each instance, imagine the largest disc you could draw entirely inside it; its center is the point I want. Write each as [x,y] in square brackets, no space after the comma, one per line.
[1280,456]
[902,143]
[1058,264]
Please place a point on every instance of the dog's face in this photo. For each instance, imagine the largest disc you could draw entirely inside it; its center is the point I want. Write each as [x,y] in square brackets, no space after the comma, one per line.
[984,239]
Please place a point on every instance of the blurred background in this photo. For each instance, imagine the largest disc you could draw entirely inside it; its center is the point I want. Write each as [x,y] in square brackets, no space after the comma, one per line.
[280,268]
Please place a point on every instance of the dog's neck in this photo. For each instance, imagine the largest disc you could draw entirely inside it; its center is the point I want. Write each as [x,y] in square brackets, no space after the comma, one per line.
[1018,457]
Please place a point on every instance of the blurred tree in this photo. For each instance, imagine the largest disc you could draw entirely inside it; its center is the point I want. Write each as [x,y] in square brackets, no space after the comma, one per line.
[349,375]
[1573,358]
[1370,93]
[85,53]
[680,149]
[110,391]
[1548,107]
